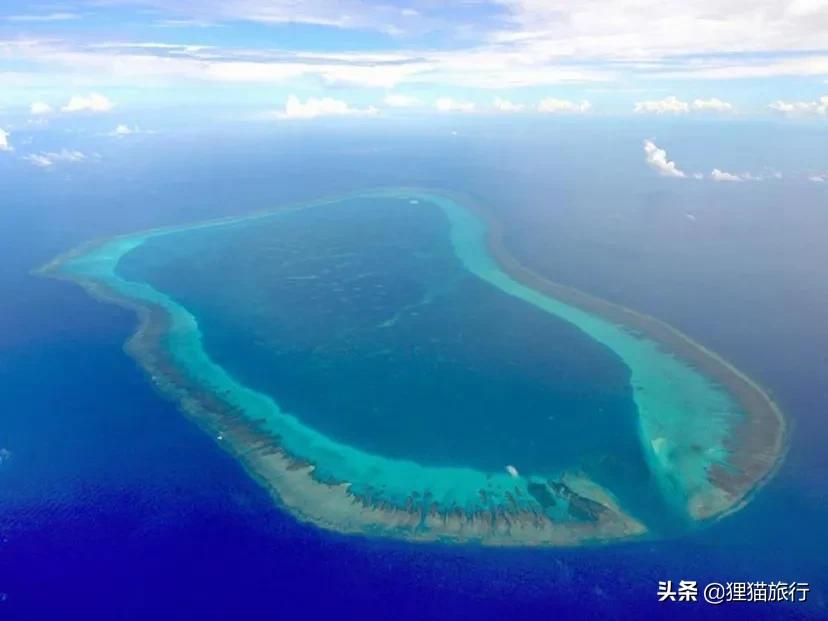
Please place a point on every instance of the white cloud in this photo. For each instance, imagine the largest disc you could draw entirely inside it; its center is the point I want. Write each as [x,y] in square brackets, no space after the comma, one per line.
[395,100]
[48,17]
[819,178]
[552,29]
[184,23]
[317,107]
[364,75]
[123,130]
[668,105]
[47,160]
[361,70]
[720,175]
[632,29]
[819,106]
[41,161]
[674,105]
[504,105]
[551,105]
[40,108]
[447,104]
[713,104]
[67,155]
[517,43]
[761,66]
[379,16]
[657,160]
[5,145]
[158,63]
[94,102]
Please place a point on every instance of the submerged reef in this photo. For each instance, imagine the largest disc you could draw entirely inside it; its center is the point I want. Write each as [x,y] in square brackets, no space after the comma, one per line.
[708,434]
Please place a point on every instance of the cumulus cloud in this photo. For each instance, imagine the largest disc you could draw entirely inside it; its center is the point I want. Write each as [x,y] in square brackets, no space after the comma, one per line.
[713,104]
[819,106]
[123,130]
[315,107]
[40,108]
[47,160]
[504,105]
[94,102]
[818,178]
[657,160]
[395,100]
[668,105]
[5,145]
[721,175]
[550,104]
[674,105]
[447,104]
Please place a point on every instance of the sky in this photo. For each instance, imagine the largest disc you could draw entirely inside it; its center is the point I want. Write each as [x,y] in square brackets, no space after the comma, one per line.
[295,61]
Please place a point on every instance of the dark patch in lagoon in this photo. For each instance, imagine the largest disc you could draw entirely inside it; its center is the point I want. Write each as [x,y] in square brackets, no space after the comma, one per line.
[571,510]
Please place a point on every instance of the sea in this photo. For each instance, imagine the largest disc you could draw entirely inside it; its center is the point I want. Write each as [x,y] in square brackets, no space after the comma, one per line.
[115,506]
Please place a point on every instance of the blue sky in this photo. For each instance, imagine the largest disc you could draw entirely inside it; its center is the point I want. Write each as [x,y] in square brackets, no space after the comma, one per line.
[136,61]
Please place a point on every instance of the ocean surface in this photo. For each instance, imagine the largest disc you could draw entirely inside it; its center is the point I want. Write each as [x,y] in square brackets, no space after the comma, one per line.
[115,506]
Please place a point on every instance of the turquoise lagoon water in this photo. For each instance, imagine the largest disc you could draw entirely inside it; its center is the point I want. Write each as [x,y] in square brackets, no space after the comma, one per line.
[376,337]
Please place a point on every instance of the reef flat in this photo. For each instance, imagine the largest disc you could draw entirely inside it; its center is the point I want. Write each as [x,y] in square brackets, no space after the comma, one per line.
[707,434]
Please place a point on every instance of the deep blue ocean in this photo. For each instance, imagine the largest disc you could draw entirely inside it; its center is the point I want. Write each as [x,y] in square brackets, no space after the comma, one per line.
[114,506]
